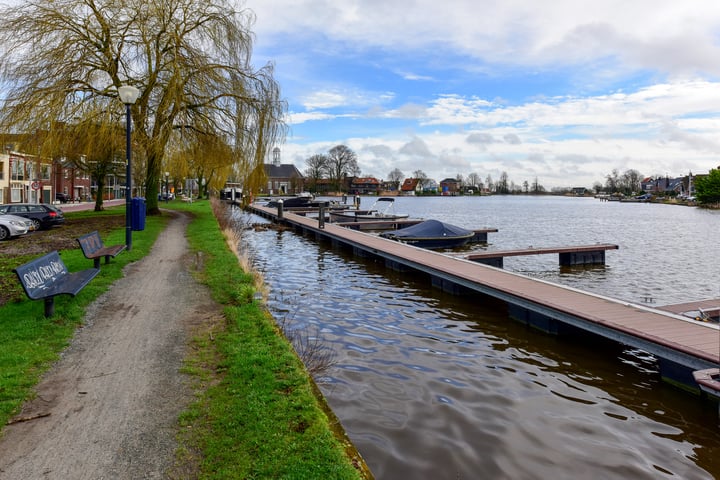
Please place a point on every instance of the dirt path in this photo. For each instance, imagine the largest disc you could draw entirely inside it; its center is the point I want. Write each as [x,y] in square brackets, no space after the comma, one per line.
[114,397]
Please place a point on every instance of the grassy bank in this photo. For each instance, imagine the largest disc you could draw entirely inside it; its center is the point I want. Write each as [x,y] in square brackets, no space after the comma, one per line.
[29,342]
[256,414]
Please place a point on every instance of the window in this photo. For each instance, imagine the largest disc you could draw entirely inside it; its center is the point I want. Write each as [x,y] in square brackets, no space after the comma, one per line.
[18,170]
[16,190]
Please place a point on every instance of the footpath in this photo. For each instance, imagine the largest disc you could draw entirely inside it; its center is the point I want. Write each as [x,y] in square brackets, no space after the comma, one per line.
[108,409]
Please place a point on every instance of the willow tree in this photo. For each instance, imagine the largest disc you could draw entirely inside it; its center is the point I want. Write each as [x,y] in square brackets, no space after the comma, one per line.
[190,59]
[204,159]
[94,144]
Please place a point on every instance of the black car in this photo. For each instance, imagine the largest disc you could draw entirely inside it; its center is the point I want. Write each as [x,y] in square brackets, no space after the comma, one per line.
[42,215]
[62,197]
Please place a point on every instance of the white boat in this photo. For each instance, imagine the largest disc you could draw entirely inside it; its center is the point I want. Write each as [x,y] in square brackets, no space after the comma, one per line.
[382,209]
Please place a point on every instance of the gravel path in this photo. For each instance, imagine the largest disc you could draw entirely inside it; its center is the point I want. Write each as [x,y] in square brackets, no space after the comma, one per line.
[108,409]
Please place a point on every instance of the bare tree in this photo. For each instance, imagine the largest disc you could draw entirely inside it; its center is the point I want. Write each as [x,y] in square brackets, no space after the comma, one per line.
[612,181]
[395,177]
[503,185]
[630,181]
[489,183]
[422,178]
[317,166]
[473,180]
[342,162]
[190,59]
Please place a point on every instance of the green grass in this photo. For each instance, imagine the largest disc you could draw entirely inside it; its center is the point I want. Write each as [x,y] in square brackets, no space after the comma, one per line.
[29,342]
[257,413]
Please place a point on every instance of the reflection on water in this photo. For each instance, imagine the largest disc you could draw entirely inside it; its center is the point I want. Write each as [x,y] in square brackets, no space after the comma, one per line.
[429,385]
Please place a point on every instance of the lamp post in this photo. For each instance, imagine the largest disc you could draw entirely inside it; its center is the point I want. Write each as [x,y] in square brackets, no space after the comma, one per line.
[128,94]
[167,187]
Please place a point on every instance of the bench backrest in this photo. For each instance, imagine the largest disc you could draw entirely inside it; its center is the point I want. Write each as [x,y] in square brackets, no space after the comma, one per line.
[90,243]
[41,273]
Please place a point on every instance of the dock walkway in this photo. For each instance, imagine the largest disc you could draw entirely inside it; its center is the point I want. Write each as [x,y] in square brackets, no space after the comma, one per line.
[681,345]
[575,255]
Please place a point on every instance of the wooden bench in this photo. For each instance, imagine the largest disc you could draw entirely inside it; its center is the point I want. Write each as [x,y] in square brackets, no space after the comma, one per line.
[46,277]
[93,248]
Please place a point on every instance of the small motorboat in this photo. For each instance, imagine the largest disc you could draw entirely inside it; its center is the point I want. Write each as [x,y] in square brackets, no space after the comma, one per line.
[300,200]
[431,234]
[382,209]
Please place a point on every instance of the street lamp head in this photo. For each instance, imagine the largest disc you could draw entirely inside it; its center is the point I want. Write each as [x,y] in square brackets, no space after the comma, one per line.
[167,174]
[128,94]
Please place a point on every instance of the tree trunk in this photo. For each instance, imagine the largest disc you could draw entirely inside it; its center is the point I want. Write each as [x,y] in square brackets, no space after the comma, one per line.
[99,197]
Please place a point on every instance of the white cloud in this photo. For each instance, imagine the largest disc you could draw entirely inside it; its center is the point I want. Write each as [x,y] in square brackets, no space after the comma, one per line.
[660,34]
[612,84]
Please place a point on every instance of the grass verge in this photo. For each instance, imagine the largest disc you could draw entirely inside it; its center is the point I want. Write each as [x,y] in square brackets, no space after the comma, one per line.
[257,413]
[29,342]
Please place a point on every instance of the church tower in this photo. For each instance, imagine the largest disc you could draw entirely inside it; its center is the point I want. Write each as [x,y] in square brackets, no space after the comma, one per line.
[276,156]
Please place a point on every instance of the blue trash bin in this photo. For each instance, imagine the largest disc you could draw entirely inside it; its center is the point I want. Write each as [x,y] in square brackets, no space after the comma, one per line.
[138,213]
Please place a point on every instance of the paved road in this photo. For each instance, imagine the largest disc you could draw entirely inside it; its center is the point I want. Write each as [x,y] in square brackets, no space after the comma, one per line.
[74,207]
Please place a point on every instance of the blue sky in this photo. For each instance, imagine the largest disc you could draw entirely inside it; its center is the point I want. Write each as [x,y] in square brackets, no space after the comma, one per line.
[563,91]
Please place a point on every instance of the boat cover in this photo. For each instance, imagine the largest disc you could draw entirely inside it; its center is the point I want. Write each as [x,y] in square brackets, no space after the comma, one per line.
[428,229]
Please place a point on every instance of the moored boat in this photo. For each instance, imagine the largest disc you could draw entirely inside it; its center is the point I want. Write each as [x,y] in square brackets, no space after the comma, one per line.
[299,200]
[432,234]
[382,209]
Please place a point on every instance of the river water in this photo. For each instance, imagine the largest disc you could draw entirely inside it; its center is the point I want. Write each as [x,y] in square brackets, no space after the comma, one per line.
[433,386]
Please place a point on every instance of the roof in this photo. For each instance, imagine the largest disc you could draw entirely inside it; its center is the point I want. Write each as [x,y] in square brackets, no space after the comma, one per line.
[367,180]
[409,184]
[286,170]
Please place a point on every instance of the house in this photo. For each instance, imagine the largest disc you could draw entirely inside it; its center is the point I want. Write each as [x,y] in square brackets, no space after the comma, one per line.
[364,186]
[283,178]
[410,186]
[75,183]
[429,186]
[450,186]
[25,178]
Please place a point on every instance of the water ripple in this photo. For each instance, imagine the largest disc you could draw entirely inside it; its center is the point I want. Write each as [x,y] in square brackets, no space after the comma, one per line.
[433,386]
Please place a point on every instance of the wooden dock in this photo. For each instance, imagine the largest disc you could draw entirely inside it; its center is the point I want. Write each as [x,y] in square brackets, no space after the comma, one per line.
[680,344]
[575,255]
[481,234]
[702,309]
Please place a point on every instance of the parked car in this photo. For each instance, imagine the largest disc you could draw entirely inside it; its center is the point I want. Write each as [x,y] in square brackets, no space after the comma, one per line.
[13,226]
[43,216]
[62,197]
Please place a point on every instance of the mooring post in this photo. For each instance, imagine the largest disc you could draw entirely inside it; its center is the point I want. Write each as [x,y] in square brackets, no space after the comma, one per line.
[280,209]
[356,201]
[321,214]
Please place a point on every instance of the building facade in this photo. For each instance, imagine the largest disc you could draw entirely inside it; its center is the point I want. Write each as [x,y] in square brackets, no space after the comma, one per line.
[283,179]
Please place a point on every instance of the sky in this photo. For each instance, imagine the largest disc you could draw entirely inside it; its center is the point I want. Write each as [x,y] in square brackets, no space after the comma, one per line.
[558,91]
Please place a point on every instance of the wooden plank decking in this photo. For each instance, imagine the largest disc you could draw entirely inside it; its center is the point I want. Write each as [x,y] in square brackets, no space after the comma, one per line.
[682,341]
[573,255]
[541,251]
[710,308]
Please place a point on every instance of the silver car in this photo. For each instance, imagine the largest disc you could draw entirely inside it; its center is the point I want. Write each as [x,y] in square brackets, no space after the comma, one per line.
[13,226]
